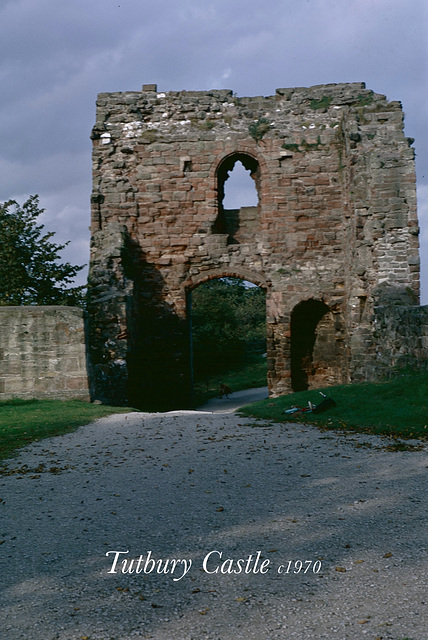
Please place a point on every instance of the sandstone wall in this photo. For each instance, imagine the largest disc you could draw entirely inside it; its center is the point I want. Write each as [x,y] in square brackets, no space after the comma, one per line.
[336,219]
[42,353]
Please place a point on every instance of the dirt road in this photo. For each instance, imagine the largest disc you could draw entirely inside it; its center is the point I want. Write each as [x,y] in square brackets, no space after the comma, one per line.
[270,532]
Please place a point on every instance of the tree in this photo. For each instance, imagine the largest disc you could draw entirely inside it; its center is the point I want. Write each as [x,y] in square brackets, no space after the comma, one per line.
[29,269]
[228,324]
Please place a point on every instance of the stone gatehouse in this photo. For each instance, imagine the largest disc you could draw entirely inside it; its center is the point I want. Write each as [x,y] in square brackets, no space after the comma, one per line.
[333,239]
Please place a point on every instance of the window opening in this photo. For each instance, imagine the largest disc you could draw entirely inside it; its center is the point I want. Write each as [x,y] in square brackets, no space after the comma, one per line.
[238,186]
[239,189]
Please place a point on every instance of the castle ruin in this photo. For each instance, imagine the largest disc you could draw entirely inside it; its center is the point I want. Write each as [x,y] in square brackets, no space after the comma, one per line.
[333,240]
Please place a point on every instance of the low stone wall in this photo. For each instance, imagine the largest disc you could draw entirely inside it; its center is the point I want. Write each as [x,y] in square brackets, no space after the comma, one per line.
[401,339]
[42,353]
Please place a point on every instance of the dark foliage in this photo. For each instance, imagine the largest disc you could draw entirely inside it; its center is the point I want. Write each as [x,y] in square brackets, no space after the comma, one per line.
[229,323]
[29,267]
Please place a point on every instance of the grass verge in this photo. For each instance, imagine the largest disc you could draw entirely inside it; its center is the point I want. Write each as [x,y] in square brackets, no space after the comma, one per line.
[24,421]
[251,374]
[397,408]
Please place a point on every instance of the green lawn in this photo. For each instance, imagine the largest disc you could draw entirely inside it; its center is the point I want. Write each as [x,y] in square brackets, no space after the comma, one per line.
[23,421]
[398,407]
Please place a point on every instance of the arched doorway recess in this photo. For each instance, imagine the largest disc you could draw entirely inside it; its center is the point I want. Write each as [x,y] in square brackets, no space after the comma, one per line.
[316,350]
[227,326]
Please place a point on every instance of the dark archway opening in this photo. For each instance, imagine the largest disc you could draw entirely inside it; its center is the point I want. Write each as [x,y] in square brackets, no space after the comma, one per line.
[304,320]
[228,336]
[238,200]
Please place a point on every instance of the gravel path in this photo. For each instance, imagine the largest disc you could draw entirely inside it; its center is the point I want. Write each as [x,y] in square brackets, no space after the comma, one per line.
[235,400]
[181,485]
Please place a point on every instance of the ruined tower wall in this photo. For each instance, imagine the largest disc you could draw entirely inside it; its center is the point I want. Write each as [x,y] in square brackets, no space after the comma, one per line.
[336,220]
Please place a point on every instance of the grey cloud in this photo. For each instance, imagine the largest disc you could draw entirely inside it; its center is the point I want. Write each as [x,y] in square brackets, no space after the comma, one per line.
[50,174]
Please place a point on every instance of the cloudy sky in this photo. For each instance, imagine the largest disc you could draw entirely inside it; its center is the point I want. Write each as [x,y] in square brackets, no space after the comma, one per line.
[56,56]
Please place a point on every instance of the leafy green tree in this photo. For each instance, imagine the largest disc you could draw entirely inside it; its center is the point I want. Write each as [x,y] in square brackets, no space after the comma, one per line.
[228,323]
[29,269]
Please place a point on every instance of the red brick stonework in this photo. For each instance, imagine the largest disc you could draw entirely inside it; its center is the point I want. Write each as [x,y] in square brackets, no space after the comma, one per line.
[334,235]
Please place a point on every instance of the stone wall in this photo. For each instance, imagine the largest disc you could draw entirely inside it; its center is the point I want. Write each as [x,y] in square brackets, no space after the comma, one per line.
[42,353]
[401,338]
[336,220]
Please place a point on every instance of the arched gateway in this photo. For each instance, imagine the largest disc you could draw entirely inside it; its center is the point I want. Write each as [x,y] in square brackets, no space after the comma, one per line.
[334,231]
